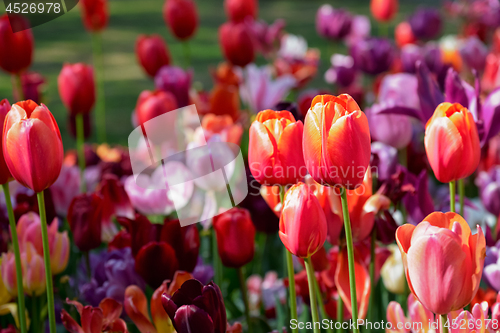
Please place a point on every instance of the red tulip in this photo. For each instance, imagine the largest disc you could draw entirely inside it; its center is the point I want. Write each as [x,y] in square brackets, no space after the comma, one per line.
[32,84]
[17,48]
[384,10]
[152,104]
[95,14]
[5,175]
[403,34]
[236,43]
[275,148]
[84,218]
[238,10]
[32,145]
[336,141]
[181,17]
[156,262]
[302,223]
[77,88]
[152,53]
[452,142]
[235,237]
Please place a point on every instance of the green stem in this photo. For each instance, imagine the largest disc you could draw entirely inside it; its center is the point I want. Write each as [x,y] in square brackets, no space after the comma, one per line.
[187,53]
[452,196]
[244,294]
[444,327]
[80,147]
[322,309]
[372,275]
[350,257]
[46,260]
[215,260]
[461,192]
[100,108]
[312,294]
[340,313]
[17,258]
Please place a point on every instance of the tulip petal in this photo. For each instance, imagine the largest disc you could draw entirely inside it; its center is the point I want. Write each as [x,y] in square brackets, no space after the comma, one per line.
[190,318]
[69,323]
[136,307]
[111,310]
[160,317]
[161,256]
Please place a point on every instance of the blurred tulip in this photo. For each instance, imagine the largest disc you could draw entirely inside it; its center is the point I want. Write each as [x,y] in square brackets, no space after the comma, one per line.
[5,175]
[488,116]
[195,308]
[235,237]
[391,129]
[385,159]
[474,53]
[303,227]
[66,187]
[384,10]
[8,270]
[403,34]
[176,81]
[152,53]
[342,70]
[152,104]
[95,14]
[77,88]
[492,267]
[239,10]
[266,37]
[396,316]
[489,189]
[393,272]
[5,296]
[443,261]
[224,100]
[33,271]
[32,84]
[372,55]
[85,219]
[452,142]
[19,44]
[203,272]
[33,127]
[181,16]
[425,23]
[222,126]
[330,154]
[236,43]
[274,154]
[409,56]
[331,23]
[418,203]
[491,75]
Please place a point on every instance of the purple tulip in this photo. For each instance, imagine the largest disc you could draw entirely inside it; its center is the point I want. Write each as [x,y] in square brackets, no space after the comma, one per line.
[489,189]
[372,55]
[385,159]
[391,129]
[458,91]
[331,23]
[491,272]
[360,29]
[433,58]
[418,203]
[203,272]
[267,36]
[175,80]
[490,116]
[66,187]
[342,70]
[474,53]
[196,308]
[410,54]
[426,23]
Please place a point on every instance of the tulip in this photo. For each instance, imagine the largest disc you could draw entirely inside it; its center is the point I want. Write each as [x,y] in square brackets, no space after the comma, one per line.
[342,71]
[443,261]
[492,267]
[85,218]
[384,10]
[5,296]
[331,23]
[425,23]
[8,270]
[152,104]
[221,126]
[32,84]
[33,271]
[196,308]
[181,17]
[239,10]
[491,78]
[303,225]
[393,272]
[330,153]
[236,43]
[77,88]
[95,14]
[18,40]
[385,159]
[235,237]
[38,164]
[452,143]
[176,81]
[391,129]
[372,55]
[152,53]
[5,175]
[489,189]
[66,187]
[403,34]
[474,53]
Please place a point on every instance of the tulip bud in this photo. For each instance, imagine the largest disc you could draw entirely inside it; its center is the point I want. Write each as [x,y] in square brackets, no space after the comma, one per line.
[452,143]
[84,217]
[426,23]
[372,55]
[384,10]
[238,10]
[38,164]
[5,175]
[181,17]
[303,226]
[489,189]
[33,271]
[275,146]
[236,43]
[332,23]
[152,53]
[235,237]
[152,104]
[403,34]
[175,80]
[95,14]
[393,272]
[77,88]
[17,48]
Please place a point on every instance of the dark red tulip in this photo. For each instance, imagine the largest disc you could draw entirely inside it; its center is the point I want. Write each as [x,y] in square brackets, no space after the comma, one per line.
[181,17]
[84,218]
[152,53]
[184,240]
[196,308]
[31,84]
[95,14]
[156,262]
[236,43]
[5,175]
[77,88]
[152,104]
[238,10]
[17,48]
[235,237]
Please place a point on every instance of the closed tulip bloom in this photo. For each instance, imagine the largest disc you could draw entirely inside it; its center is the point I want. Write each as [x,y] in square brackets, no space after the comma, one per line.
[238,10]
[275,148]
[77,88]
[384,10]
[152,53]
[336,141]
[372,55]
[177,81]
[403,34]
[33,271]
[181,17]
[152,104]
[85,218]
[303,226]
[8,270]
[235,237]
[393,272]
[426,23]
[32,145]
[333,23]
[236,43]
[443,261]
[17,48]
[452,143]
[95,14]
[5,175]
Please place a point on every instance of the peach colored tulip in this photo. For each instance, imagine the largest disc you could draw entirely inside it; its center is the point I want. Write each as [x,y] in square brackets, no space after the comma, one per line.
[33,271]
[384,10]
[443,261]
[8,270]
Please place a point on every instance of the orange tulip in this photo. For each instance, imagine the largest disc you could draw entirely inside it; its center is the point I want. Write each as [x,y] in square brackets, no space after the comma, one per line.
[384,10]
[443,261]
[403,34]
[452,142]
[336,141]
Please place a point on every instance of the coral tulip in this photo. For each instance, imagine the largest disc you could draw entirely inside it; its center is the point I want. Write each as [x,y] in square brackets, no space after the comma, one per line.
[95,14]
[152,53]
[77,88]
[236,43]
[238,10]
[303,226]
[384,10]
[5,175]
[33,271]
[235,237]
[152,104]
[181,17]
[85,218]
[336,141]
[275,148]
[443,261]
[19,44]
[452,142]
[32,145]
[403,34]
